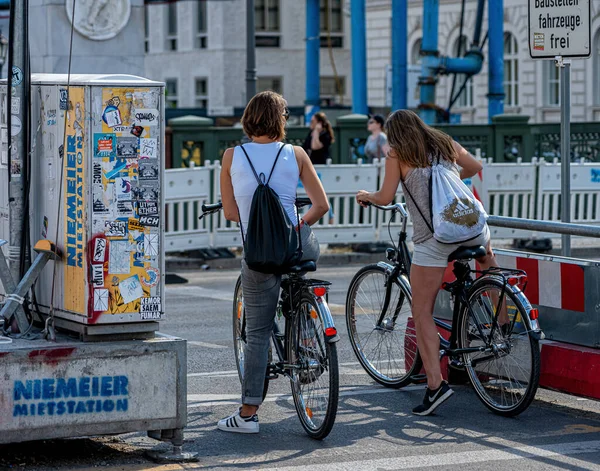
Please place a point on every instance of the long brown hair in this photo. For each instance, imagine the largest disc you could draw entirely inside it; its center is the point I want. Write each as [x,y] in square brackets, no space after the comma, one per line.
[265,115]
[413,141]
[322,118]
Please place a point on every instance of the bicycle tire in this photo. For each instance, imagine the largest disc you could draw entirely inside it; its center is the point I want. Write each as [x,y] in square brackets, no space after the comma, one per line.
[315,367]
[239,341]
[400,336]
[492,381]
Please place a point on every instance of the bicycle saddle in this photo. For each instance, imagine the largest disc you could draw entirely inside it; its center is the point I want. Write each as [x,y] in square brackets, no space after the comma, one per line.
[467,253]
[307,265]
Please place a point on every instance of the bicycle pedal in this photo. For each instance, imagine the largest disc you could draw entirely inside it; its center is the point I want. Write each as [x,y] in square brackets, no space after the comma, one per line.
[417,379]
[272,376]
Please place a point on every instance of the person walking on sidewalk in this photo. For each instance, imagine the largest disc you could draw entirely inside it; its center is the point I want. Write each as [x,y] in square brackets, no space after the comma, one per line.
[376,145]
[264,122]
[413,148]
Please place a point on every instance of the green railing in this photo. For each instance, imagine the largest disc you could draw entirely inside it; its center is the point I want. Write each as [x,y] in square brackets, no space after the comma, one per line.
[194,139]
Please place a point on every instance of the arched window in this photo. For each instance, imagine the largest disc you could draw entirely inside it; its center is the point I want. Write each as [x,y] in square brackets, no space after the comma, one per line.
[415,53]
[596,70]
[466,97]
[511,70]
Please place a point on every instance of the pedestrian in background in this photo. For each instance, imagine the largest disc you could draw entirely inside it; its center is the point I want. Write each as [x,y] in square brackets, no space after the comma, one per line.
[319,139]
[376,145]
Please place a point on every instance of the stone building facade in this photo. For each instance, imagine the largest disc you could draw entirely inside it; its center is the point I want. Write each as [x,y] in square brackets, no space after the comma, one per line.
[531,87]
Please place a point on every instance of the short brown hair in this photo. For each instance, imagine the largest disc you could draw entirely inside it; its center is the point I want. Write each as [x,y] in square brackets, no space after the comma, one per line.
[265,116]
[413,142]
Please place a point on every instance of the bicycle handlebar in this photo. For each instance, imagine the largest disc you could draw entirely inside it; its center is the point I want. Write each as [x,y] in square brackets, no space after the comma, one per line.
[399,207]
[215,207]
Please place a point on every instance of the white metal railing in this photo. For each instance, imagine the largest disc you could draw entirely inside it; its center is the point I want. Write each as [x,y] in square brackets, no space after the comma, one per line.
[520,190]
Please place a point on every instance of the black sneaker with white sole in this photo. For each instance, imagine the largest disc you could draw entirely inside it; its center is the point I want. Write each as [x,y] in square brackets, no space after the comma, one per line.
[433,399]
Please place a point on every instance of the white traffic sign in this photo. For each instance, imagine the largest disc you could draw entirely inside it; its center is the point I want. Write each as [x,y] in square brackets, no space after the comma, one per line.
[559,28]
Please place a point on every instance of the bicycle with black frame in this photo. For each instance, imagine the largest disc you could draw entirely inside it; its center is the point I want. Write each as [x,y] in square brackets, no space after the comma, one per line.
[303,343]
[502,361]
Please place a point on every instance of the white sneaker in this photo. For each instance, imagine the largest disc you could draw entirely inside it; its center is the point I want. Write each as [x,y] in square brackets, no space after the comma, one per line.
[237,424]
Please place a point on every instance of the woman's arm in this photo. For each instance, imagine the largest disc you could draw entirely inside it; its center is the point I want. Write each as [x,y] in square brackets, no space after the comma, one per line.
[469,164]
[230,208]
[389,188]
[315,142]
[312,185]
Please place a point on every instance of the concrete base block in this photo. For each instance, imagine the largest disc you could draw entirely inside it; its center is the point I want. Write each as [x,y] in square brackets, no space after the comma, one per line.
[70,388]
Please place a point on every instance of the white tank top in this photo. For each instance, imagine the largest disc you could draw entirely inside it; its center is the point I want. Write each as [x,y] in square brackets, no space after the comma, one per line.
[284,180]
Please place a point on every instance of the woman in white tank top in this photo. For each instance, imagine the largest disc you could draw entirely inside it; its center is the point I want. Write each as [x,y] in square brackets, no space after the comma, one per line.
[264,122]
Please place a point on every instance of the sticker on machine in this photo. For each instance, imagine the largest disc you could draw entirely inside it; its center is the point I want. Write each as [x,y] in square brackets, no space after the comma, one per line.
[149,221]
[127,147]
[131,289]
[105,145]
[100,300]
[99,250]
[119,262]
[152,277]
[115,228]
[147,208]
[148,172]
[147,117]
[148,148]
[151,308]
[98,275]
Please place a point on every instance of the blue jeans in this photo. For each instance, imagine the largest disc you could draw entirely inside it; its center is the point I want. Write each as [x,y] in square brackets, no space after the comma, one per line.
[261,294]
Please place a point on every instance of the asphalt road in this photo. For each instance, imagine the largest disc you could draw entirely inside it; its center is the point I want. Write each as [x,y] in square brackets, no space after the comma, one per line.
[374,429]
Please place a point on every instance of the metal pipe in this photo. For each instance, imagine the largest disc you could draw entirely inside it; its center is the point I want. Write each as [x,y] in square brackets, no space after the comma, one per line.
[565,149]
[429,48]
[359,56]
[470,64]
[478,23]
[496,58]
[582,230]
[250,51]
[313,45]
[399,54]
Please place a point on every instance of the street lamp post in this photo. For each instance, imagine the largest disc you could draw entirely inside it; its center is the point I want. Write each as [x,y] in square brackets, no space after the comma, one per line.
[3,51]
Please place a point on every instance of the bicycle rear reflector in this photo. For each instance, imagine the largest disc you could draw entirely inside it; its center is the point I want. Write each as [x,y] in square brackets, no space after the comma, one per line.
[319,290]
[330,331]
[534,314]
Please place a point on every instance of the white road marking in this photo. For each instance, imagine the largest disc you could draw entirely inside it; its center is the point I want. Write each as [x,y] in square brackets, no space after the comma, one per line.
[195,343]
[557,450]
[199,292]
[212,400]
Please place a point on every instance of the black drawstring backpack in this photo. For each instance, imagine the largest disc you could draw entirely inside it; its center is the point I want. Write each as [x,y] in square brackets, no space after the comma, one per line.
[271,243]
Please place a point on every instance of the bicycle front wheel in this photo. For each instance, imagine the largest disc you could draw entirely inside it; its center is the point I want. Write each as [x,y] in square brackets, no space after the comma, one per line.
[385,343]
[506,375]
[314,373]
[239,334]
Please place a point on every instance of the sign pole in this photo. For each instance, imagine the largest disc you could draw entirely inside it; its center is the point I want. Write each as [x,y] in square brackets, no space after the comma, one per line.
[565,147]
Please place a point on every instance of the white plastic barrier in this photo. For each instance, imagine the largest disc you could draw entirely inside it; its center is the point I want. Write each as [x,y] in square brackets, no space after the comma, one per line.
[225,233]
[585,192]
[507,189]
[351,223]
[186,190]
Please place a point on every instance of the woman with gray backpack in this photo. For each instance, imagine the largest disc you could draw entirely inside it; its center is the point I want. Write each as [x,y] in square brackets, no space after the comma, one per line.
[430,165]
[258,190]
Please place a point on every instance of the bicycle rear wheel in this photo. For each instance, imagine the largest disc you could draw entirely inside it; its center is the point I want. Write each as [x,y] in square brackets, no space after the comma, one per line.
[314,374]
[239,334]
[505,377]
[385,344]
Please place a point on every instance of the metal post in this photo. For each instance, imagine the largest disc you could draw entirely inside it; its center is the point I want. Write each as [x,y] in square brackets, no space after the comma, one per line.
[313,51]
[429,62]
[496,58]
[358,19]
[399,54]
[250,51]
[17,124]
[565,147]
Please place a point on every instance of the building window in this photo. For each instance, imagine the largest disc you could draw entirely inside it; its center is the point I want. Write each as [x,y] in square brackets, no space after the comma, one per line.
[596,59]
[266,18]
[171,93]
[511,70]
[415,53]
[551,81]
[332,23]
[201,93]
[201,31]
[269,83]
[465,100]
[171,27]
[332,90]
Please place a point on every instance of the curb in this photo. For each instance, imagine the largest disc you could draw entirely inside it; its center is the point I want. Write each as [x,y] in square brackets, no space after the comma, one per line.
[179,264]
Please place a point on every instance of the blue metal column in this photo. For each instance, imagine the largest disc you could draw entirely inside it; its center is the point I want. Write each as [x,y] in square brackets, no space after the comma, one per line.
[358,19]
[429,61]
[496,58]
[313,51]
[399,54]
